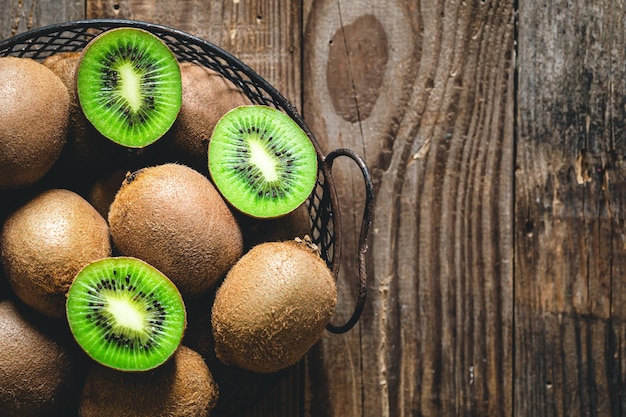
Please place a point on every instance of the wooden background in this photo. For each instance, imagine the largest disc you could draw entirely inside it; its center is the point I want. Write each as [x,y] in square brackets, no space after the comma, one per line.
[495,132]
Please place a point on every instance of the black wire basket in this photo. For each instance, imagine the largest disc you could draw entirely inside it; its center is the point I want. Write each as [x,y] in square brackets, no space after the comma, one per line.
[239,390]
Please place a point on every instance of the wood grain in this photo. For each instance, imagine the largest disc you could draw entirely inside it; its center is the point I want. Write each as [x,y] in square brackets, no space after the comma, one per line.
[21,15]
[570,257]
[431,91]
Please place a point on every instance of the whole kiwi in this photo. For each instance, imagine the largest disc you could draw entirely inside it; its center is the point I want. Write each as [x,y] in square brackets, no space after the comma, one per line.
[172,217]
[273,306]
[182,387]
[207,96]
[39,368]
[34,109]
[44,244]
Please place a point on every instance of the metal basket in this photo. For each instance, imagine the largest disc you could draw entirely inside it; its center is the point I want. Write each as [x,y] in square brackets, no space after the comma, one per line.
[322,204]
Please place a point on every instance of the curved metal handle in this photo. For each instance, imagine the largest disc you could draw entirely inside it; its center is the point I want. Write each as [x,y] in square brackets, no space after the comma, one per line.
[362,244]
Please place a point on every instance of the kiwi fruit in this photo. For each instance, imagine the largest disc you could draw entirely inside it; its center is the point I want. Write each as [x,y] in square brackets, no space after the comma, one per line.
[207,96]
[86,149]
[182,387]
[45,242]
[262,161]
[34,109]
[40,372]
[272,307]
[172,217]
[125,314]
[129,86]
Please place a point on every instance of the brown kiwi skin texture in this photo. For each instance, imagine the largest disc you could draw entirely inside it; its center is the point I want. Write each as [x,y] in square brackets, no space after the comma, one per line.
[172,217]
[41,370]
[207,96]
[272,307]
[182,387]
[46,242]
[34,109]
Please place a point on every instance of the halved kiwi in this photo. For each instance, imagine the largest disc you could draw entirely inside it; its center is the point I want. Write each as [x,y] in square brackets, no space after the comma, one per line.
[129,86]
[125,314]
[262,161]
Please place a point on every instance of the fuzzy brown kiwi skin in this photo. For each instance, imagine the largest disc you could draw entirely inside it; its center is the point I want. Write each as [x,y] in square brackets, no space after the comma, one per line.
[172,217]
[272,307]
[40,368]
[44,244]
[34,109]
[182,387]
[207,96]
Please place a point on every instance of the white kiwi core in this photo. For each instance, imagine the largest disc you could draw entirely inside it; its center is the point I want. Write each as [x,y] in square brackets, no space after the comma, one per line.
[130,86]
[126,315]
[263,161]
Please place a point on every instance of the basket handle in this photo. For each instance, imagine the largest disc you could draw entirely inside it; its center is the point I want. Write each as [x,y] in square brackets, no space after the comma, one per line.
[362,244]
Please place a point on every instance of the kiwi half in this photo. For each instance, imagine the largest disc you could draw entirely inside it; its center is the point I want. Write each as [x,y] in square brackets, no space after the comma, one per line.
[129,86]
[262,161]
[125,314]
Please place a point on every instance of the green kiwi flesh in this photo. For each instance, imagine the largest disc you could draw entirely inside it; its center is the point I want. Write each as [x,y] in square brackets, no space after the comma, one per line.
[125,314]
[262,161]
[129,86]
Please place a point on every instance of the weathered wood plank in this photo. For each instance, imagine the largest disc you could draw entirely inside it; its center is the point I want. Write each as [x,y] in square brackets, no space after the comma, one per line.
[21,15]
[424,91]
[569,210]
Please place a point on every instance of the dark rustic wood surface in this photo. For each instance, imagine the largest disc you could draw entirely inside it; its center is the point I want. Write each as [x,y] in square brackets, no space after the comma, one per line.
[494,132]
